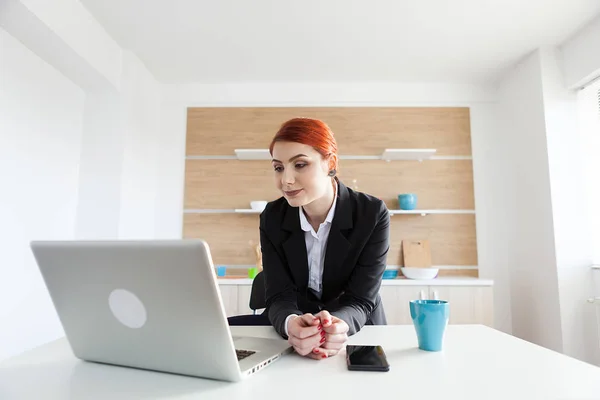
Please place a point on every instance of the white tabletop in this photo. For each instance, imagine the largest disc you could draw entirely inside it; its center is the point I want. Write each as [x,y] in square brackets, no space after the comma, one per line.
[477,363]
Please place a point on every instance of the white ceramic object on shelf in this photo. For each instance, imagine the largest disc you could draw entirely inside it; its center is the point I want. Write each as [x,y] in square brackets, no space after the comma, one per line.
[419,273]
[258,205]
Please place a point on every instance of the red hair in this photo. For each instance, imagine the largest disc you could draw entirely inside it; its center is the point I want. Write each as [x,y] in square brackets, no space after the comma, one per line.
[311,132]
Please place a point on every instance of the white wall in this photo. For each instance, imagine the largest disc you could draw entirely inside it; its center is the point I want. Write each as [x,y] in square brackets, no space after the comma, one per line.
[589,123]
[40,134]
[527,206]
[582,55]
[84,165]
[491,185]
[80,32]
[570,214]
[118,181]
[101,167]
[549,252]
[141,168]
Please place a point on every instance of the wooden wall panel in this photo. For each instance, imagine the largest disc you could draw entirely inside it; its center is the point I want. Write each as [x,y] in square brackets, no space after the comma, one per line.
[228,183]
[452,237]
[442,184]
[439,184]
[229,235]
[218,131]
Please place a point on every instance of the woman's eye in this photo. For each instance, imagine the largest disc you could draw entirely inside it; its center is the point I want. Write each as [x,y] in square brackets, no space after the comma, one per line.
[301,165]
[278,168]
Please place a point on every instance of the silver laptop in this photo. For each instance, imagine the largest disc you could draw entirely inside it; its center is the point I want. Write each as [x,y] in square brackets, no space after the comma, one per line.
[148,304]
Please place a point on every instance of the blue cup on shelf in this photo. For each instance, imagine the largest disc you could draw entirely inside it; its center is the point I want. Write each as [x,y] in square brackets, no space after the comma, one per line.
[390,274]
[407,201]
[430,318]
[221,270]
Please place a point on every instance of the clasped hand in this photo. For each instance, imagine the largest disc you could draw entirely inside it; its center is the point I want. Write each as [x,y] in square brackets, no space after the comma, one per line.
[317,336]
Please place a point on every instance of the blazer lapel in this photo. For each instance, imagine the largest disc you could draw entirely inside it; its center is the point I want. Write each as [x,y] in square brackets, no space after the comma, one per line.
[337,244]
[295,248]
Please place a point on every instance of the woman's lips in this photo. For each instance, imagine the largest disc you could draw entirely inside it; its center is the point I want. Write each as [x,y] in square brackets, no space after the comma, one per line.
[292,193]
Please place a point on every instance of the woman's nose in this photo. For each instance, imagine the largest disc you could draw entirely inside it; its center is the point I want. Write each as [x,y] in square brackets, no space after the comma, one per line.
[288,177]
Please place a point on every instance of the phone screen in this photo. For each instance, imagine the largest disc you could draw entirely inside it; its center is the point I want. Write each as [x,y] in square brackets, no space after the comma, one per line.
[366,358]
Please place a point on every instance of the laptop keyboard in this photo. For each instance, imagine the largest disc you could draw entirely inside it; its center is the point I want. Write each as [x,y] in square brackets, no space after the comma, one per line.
[241,354]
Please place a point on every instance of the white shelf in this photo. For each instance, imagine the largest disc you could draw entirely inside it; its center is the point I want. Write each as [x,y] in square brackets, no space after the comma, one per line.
[247,211]
[220,211]
[253,154]
[207,211]
[425,212]
[387,155]
[407,154]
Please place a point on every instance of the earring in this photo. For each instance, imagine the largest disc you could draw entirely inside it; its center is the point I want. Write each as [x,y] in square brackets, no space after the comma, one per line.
[332,172]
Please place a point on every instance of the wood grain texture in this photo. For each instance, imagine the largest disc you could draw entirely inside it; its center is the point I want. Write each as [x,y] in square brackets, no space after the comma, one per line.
[231,237]
[452,237]
[228,183]
[438,184]
[218,131]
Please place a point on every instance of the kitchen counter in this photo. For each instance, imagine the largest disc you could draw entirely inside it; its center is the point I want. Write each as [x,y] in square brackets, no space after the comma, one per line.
[442,281]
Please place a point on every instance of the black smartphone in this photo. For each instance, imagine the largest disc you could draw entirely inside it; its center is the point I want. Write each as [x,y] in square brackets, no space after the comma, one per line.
[366,358]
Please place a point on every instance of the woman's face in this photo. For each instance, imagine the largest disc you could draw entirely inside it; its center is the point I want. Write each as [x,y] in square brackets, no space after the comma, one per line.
[301,173]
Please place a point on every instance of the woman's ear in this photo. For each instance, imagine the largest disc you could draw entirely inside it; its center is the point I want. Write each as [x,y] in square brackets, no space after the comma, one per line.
[333,162]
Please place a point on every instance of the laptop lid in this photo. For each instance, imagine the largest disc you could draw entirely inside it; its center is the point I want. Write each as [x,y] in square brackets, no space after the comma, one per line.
[145,304]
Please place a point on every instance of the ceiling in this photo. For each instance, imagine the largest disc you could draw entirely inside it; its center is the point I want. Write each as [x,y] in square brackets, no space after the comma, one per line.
[460,41]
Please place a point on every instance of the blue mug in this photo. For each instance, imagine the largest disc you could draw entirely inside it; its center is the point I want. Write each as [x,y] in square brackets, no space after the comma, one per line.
[430,318]
[407,201]
[221,270]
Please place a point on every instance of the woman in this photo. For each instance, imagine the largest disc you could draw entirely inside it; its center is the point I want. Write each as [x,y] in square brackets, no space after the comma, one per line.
[324,245]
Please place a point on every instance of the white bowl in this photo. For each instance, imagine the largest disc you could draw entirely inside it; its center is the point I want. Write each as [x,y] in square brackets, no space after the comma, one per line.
[258,205]
[419,273]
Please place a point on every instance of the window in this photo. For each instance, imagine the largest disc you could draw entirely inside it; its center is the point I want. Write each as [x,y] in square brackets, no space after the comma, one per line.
[589,117]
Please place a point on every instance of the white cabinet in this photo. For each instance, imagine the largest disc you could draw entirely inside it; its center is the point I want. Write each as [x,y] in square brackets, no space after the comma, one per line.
[229,295]
[396,301]
[236,298]
[469,304]
[244,299]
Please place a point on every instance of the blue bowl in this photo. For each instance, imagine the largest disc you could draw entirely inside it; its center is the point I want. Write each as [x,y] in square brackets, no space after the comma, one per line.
[407,201]
[390,274]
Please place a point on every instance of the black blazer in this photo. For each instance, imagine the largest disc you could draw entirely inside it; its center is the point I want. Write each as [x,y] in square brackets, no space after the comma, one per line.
[355,260]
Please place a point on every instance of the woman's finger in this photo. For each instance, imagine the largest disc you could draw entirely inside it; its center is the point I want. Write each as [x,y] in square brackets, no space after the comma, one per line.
[338,326]
[325,317]
[333,346]
[301,351]
[309,320]
[337,338]
[303,332]
[320,353]
[308,343]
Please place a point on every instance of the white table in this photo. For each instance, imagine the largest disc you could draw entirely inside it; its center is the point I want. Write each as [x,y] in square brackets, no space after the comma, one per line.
[477,363]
